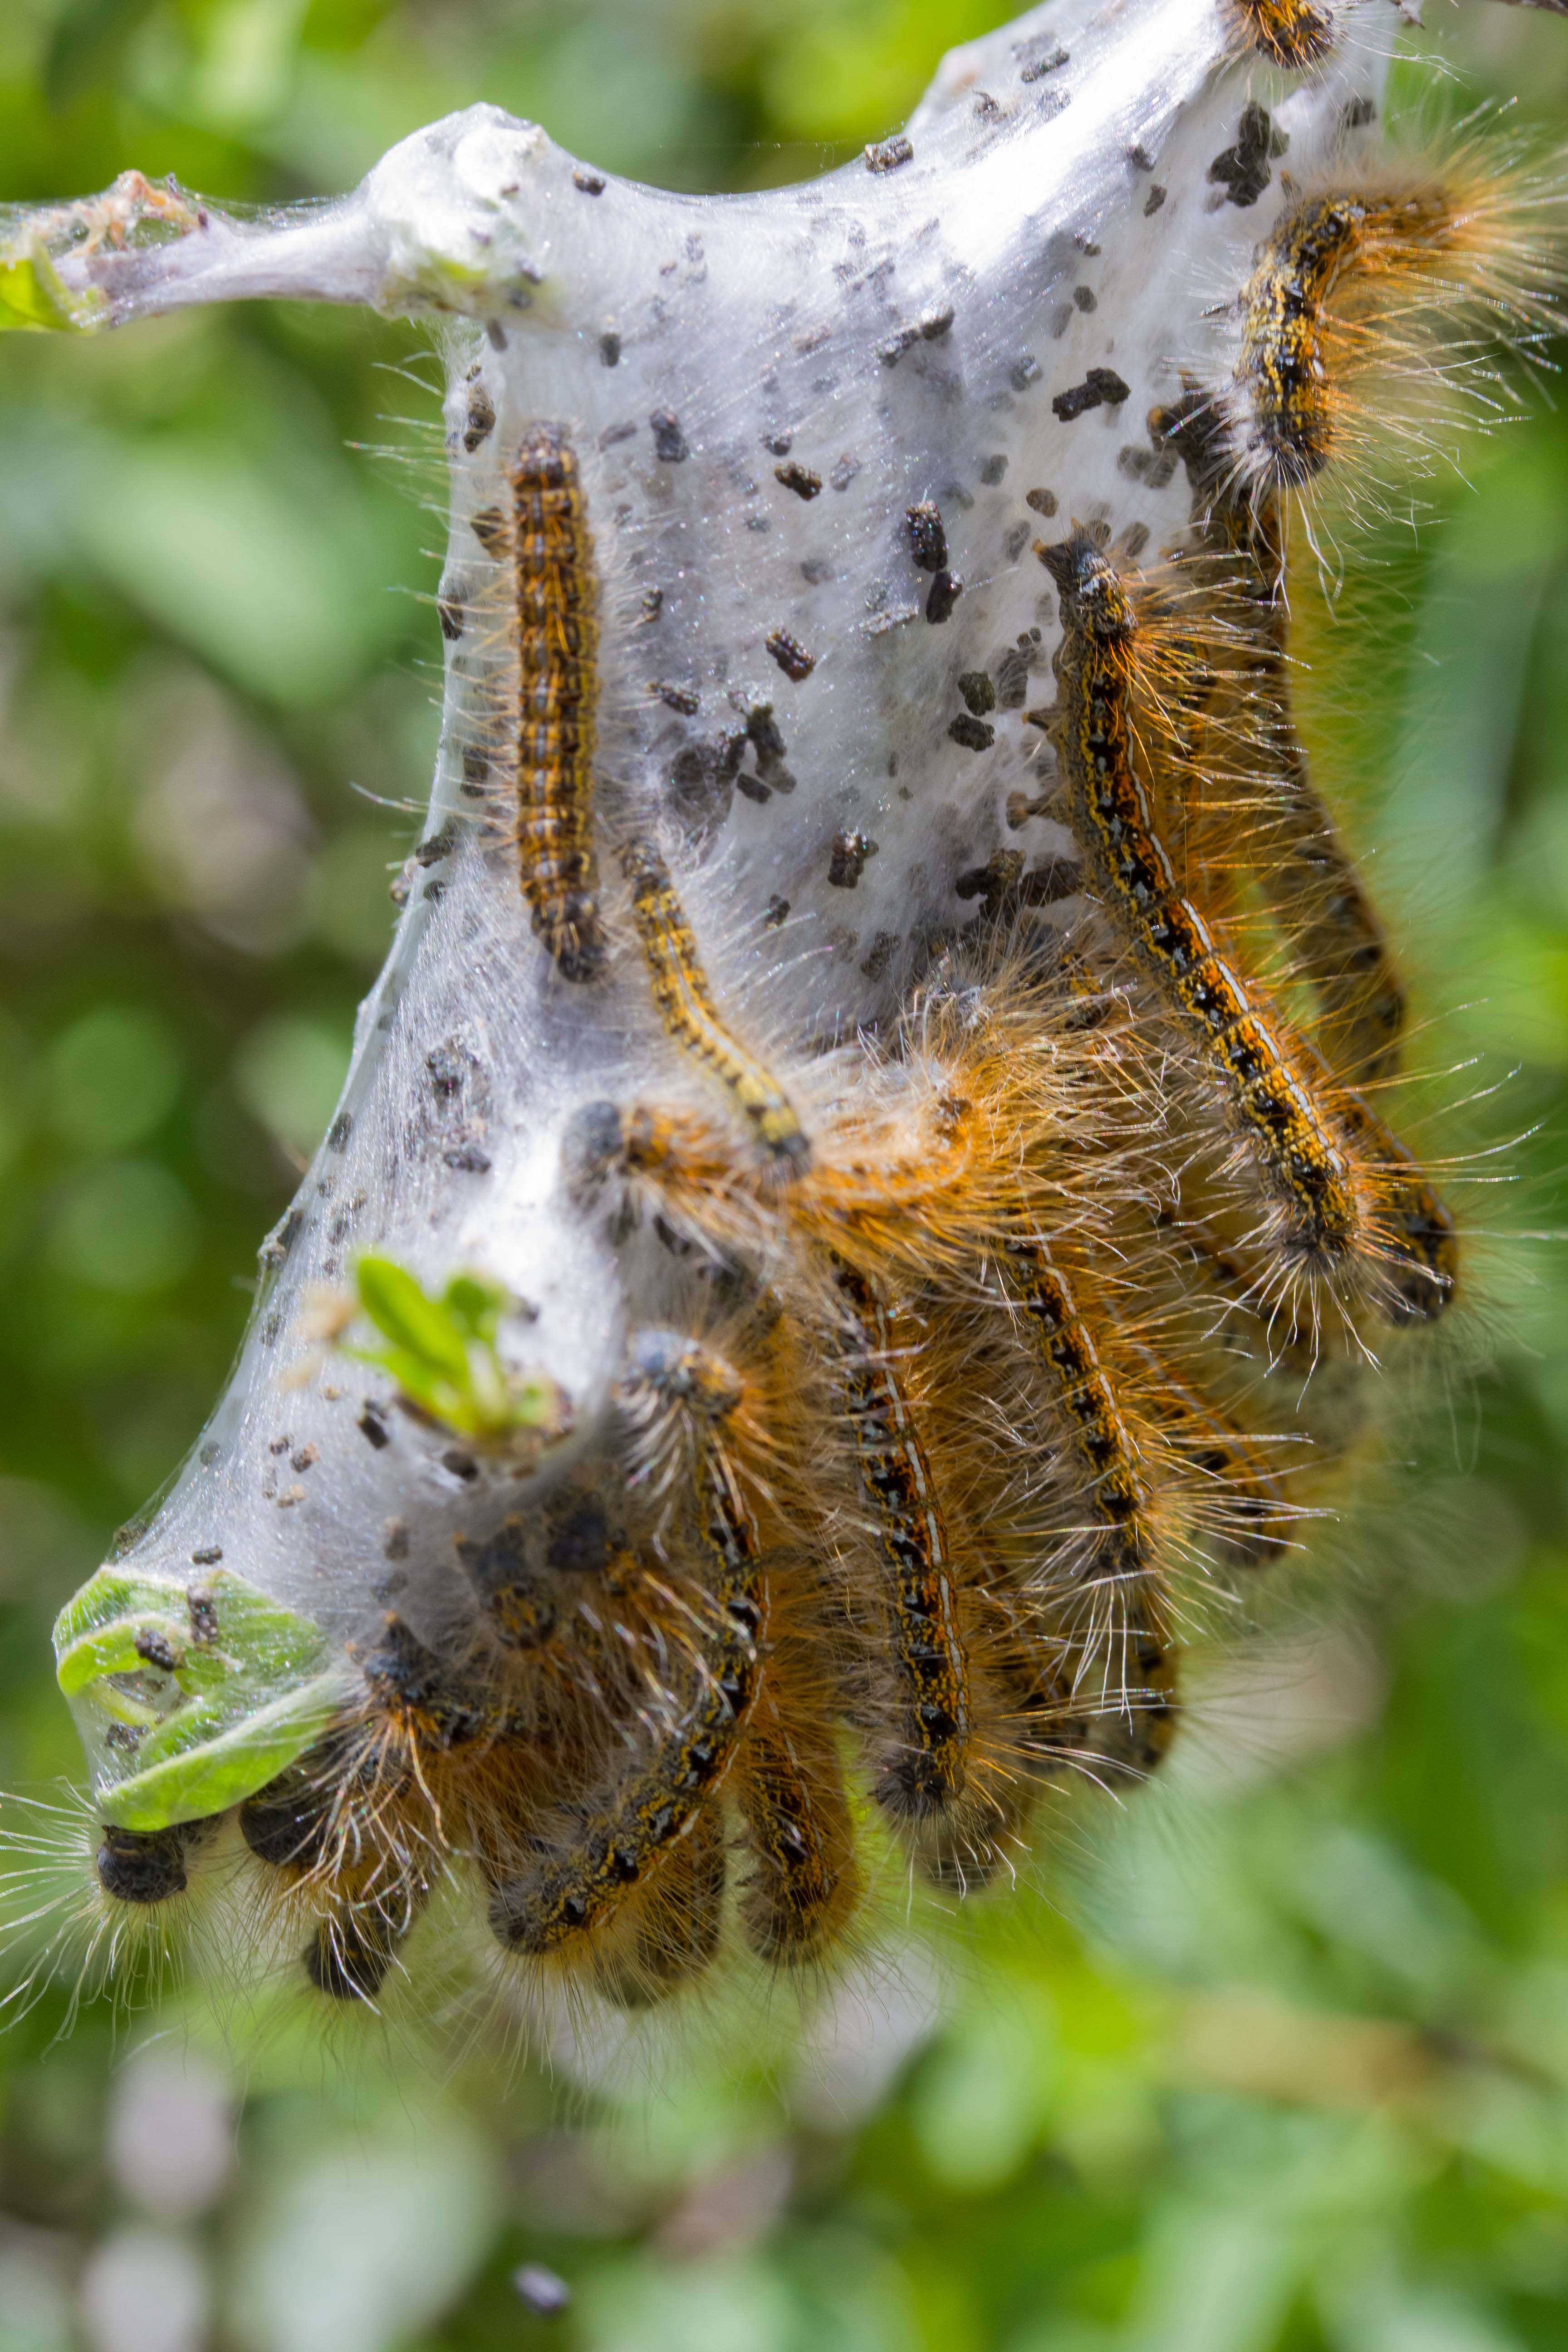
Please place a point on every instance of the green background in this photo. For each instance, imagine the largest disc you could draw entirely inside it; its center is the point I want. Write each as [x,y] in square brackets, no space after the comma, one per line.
[1278,2059]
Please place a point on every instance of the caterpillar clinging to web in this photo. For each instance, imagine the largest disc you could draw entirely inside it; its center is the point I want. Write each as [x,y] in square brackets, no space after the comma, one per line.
[780,1413]
[547,540]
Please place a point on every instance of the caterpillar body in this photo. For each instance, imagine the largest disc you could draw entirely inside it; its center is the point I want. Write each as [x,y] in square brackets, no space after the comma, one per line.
[556,643]
[803,1882]
[928,1769]
[625,1835]
[1293,396]
[685,1003]
[1300,1162]
[1292,34]
[1339,941]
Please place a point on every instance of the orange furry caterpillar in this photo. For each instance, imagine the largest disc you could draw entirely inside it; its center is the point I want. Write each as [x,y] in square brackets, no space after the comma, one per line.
[352,1830]
[1348,1201]
[1348,281]
[1413,1241]
[674,1924]
[916,1157]
[1300,1162]
[1120,1488]
[1128,1487]
[1333,926]
[803,1885]
[930,1768]
[612,1841]
[557,639]
[1292,34]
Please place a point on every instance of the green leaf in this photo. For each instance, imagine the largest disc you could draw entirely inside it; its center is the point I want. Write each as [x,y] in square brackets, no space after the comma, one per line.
[265,1638]
[235,1708]
[257,1638]
[423,1327]
[476,1306]
[211,1775]
[111,1594]
[443,1354]
[33,299]
[112,1650]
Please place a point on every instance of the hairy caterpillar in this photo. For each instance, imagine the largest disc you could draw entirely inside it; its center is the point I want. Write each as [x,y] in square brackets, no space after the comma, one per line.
[675,1922]
[1301,1164]
[557,635]
[1327,1196]
[1292,34]
[804,1882]
[1336,933]
[929,1767]
[1119,1493]
[629,1831]
[686,1006]
[1350,281]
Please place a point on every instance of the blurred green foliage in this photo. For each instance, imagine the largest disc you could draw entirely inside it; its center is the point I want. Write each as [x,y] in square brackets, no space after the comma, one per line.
[1279,2062]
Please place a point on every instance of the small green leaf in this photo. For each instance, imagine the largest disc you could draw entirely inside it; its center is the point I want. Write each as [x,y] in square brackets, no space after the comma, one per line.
[421,1326]
[257,1638]
[210,1775]
[234,1707]
[111,1594]
[34,299]
[444,1356]
[112,1650]
[267,1639]
[476,1306]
